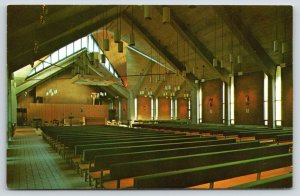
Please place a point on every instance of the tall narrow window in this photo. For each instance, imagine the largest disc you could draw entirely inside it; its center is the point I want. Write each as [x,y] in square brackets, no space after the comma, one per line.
[156,109]
[223,102]
[200,104]
[189,108]
[278,97]
[266,99]
[175,109]
[172,109]
[232,100]
[135,108]
[152,109]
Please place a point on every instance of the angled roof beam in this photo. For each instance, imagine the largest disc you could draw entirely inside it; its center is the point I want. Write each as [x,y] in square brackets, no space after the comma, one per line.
[154,43]
[193,41]
[48,73]
[244,35]
[141,79]
[122,91]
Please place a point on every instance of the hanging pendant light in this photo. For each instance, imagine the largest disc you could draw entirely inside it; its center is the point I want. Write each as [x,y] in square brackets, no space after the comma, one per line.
[203,80]
[120,47]
[275,46]
[147,12]
[105,40]
[283,47]
[117,32]
[239,59]
[215,62]
[222,63]
[106,44]
[222,42]
[132,40]
[103,58]
[230,58]
[275,42]
[166,15]
[116,36]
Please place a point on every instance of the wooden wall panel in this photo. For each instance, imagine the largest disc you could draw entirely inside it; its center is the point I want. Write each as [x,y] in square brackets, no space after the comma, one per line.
[48,112]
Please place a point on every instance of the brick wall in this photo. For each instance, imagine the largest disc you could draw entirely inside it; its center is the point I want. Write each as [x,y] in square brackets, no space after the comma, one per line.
[143,108]
[164,109]
[182,108]
[251,85]
[287,96]
[212,101]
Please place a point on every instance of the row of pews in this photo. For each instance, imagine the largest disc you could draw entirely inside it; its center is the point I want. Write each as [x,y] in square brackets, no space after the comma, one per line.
[151,158]
[277,135]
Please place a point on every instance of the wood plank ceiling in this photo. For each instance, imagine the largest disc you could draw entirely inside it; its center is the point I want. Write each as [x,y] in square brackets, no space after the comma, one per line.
[210,26]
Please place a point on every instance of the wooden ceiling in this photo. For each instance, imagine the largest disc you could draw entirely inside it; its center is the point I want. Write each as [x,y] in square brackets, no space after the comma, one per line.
[195,35]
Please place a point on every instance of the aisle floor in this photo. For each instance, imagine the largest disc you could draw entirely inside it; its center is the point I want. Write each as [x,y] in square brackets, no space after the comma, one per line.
[33,164]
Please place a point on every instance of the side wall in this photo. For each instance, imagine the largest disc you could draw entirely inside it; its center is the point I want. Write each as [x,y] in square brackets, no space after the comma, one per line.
[249,85]
[212,101]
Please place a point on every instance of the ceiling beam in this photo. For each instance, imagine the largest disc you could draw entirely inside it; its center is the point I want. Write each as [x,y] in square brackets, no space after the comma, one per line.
[194,42]
[48,73]
[246,38]
[154,43]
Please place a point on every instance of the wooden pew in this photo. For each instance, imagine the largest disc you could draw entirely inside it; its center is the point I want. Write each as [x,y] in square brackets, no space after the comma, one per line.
[282,181]
[138,168]
[70,144]
[209,174]
[270,135]
[284,138]
[80,148]
[128,149]
[104,162]
[89,151]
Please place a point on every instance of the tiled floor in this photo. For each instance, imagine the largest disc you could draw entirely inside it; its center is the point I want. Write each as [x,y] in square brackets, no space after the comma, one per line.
[33,164]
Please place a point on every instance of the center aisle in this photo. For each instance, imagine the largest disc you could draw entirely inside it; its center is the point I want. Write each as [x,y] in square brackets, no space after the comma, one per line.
[33,164]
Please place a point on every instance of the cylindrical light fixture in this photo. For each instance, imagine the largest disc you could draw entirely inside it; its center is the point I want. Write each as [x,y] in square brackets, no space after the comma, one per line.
[147,12]
[103,58]
[222,64]
[215,62]
[230,58]
[166,15]
[275,45]
[106,44]
[131,41]
[239,59]
[283,47]
[120,47]
[116,36]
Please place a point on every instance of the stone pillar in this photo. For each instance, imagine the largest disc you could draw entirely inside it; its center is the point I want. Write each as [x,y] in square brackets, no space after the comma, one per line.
[130,107]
